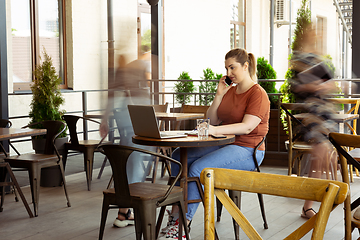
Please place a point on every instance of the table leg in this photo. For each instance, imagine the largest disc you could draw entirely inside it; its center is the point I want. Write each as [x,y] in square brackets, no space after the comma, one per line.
[183,182]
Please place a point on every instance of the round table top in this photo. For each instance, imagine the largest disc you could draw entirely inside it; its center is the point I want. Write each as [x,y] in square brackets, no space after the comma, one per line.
[189,141]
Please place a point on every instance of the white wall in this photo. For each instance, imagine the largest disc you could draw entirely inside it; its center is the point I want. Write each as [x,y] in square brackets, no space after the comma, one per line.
[197,36]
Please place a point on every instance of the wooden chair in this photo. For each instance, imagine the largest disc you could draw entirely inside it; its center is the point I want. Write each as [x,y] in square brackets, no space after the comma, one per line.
[342,142]
[143,197]
[296,148]
[236,198]
[34,162]
[329,193]
[87,147]
[355,102]
[191,109]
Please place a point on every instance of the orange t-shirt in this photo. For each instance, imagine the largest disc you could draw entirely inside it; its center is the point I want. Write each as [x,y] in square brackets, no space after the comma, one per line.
[254,101]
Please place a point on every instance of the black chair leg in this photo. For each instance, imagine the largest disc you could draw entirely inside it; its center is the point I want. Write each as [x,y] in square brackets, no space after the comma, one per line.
[261,202]
[236,197]
[104,213]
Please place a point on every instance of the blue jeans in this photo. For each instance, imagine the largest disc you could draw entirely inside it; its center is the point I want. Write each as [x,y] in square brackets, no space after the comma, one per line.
[228,156]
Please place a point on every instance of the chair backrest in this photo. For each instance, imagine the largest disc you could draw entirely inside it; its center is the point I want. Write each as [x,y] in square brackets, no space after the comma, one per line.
[341,140]
[71,122]
[353,110]
[290,119]
[53,130]
[118,156]
[192,109]
[329,193]
[4,123]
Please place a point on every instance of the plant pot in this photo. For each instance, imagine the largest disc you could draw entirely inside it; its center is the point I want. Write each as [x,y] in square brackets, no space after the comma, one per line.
[50,176]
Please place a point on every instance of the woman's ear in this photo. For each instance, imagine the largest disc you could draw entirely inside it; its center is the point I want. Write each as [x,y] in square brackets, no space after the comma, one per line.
[246,66]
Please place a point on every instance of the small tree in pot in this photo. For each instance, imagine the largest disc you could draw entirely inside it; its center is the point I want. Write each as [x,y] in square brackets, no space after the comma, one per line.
[45,105]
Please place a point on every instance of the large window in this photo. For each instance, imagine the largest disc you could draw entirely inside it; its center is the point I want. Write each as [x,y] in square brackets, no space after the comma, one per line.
[237,24]
[36,25]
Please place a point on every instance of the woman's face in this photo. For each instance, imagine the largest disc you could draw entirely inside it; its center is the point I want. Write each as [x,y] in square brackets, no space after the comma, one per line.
[235,71]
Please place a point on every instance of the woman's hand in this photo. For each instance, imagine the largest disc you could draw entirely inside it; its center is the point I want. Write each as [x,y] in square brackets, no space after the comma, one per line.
[222,87]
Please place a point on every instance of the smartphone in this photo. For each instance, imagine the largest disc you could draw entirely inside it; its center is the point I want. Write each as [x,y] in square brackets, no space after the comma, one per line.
[228,81]
[218,136]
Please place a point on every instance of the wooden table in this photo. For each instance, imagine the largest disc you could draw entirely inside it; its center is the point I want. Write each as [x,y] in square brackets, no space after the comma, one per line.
[11,133]
[183,143]
[167,117]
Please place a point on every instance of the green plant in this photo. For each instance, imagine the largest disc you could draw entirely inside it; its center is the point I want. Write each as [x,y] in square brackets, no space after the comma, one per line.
[184,87]
[208,87]
[266,71]
[47,98]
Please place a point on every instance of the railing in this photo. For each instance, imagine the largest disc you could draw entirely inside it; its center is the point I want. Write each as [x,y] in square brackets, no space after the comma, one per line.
[167,94]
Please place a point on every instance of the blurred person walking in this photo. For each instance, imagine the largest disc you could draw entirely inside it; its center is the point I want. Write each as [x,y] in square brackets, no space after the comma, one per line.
[130,86]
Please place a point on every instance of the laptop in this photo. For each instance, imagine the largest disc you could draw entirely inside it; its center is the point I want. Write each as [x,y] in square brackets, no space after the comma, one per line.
[145,124]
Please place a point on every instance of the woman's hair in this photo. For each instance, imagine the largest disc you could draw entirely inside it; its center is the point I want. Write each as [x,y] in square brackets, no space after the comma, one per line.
[242,56]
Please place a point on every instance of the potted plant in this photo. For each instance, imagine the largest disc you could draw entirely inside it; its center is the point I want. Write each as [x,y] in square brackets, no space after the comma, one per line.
[266,71]
[208,87]
[184,87]
[45,105]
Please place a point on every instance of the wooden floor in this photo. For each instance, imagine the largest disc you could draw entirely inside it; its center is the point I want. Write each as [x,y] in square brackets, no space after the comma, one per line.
[82,219]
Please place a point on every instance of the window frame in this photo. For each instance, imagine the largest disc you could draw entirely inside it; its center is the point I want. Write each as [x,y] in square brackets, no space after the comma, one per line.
[35,44]
[236,25]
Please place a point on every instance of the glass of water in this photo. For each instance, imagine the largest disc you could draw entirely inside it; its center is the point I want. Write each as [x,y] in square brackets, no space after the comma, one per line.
[203,128]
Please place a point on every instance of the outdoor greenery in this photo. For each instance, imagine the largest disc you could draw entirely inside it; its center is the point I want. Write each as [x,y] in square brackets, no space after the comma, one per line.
[184,87]
[266,71]
[146,39]
[47,97]
[208,87]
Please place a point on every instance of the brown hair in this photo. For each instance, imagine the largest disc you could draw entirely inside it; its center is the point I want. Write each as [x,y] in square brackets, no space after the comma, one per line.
[242,56]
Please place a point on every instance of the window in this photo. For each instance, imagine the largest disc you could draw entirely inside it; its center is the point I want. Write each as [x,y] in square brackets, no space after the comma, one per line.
[320,34]
[238,24]
[36,25]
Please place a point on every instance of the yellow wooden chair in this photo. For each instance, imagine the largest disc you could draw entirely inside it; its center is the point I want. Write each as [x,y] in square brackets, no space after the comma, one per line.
[330,193]
[342,142]
[355,102]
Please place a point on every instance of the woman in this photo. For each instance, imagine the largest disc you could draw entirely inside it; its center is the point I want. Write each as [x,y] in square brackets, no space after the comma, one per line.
[241,108]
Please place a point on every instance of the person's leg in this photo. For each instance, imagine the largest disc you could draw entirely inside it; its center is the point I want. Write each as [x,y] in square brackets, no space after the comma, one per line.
[319,157]
[229,157]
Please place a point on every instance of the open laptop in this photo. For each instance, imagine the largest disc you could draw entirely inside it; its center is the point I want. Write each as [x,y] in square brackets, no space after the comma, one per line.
[145,124]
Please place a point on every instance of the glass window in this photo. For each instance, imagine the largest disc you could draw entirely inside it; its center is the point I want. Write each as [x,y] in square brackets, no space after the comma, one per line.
[237,24]
[35,26]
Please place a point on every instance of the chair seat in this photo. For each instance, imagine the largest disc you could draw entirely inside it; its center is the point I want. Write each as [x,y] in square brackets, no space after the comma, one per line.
[355,218]
[299,145]
[88,143]
[146,190]
[31,158]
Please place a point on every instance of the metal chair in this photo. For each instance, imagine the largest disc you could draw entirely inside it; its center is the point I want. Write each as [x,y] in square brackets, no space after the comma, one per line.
[34,162]
[216,180]
[236,198]
[87,147]
[143,197]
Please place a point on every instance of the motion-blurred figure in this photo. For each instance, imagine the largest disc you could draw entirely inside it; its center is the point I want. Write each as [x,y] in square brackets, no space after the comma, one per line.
[311,85]
[130,86]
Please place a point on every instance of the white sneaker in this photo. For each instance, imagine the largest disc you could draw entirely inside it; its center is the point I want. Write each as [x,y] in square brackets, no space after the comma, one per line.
[123,223]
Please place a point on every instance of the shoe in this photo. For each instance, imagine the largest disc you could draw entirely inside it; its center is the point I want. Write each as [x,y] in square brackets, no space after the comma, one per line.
[123,223]
[173,233]
[304,215]
[171,222]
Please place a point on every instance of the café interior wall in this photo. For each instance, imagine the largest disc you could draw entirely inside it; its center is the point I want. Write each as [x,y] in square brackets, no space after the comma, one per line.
[195,39]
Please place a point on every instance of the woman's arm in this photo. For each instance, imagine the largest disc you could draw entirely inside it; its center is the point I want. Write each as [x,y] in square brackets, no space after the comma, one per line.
[249,123]
[220,92]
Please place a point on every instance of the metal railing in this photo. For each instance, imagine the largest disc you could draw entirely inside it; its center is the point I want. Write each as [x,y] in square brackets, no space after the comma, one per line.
[167,94]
